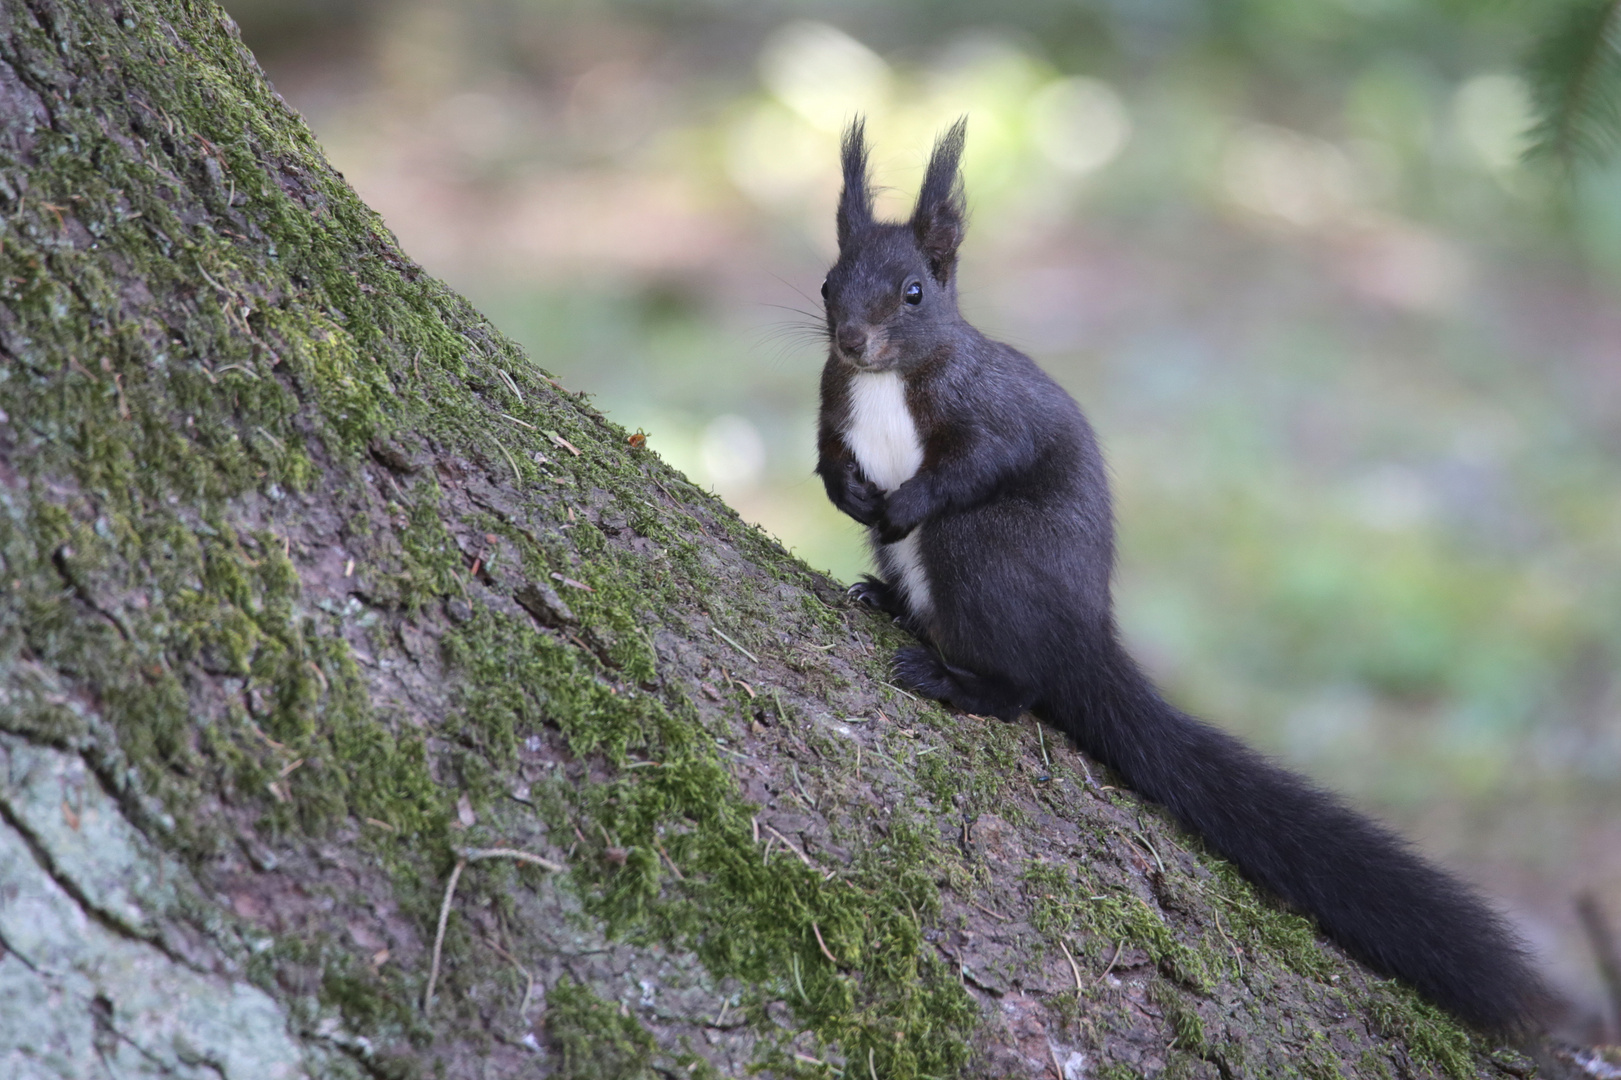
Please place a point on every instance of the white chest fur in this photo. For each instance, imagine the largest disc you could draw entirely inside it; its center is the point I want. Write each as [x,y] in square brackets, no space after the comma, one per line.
[883,437]
[881,432]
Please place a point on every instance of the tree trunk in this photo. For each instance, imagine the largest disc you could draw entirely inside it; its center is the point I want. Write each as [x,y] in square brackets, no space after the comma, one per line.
[371,705]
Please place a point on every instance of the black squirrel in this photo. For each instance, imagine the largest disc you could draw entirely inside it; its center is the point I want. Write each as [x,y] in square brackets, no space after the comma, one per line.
[991,523]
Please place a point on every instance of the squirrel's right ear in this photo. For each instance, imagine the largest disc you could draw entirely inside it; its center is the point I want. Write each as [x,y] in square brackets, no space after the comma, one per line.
[855,201]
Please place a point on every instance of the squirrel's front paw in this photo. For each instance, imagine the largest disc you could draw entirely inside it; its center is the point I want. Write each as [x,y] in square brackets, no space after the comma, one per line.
[889,532]
[904,510]
[863,499]
[895,524]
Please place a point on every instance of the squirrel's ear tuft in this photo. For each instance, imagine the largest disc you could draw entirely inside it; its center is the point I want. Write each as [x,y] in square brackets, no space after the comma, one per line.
[855,201]
[941,216]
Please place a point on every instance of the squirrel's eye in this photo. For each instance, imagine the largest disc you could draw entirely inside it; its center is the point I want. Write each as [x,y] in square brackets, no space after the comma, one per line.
[824,288]
[913,293]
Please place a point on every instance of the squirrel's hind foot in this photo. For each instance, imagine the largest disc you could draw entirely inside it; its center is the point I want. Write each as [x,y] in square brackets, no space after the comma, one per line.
[923,670]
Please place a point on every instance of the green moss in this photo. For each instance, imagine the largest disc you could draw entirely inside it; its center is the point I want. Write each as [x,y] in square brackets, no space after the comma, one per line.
[351,387]
[516,679]
[1432,1037]
[597,1040]
[975,768]
[1118,1070]
[1064,899]
[1259,925]
[364,1004]
[1373,1064]
[1187,1028]
[426,564]
[1319,1061]
[824,617]
[770,924]
[326,980]
[615,603]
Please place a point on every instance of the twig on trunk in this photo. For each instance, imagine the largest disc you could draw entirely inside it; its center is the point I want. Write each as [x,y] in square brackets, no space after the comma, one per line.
[471,855]
[439,935]
[1605,953]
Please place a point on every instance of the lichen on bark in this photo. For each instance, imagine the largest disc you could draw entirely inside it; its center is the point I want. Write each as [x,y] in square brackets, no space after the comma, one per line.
[315,582]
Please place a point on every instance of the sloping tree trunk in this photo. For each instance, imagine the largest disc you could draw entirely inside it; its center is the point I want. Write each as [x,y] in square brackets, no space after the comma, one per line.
[318,601]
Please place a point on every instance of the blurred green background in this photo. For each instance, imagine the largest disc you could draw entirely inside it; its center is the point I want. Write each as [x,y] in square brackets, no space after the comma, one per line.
[1357,366]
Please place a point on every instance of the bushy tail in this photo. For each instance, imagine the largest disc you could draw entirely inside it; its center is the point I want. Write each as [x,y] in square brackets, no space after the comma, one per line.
[1366,888]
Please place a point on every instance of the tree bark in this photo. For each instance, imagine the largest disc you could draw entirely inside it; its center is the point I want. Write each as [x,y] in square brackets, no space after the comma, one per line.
[372,706]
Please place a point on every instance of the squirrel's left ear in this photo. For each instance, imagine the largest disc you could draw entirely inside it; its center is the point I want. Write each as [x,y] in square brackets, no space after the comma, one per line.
[941,215]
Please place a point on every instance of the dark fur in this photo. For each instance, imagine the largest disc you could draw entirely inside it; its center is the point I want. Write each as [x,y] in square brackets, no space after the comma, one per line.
[1017,541]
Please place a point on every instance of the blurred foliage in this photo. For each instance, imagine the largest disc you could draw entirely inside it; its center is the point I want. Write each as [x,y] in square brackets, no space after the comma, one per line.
[1355,359]
[1575,71]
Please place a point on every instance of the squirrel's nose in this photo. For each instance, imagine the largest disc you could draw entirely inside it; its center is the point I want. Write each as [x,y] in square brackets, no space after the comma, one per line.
[852,341]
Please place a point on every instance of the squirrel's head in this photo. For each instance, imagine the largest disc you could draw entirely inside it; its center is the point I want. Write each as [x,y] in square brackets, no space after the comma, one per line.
[891,299]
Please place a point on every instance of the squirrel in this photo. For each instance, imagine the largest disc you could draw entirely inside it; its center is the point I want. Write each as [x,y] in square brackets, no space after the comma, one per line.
[988,509]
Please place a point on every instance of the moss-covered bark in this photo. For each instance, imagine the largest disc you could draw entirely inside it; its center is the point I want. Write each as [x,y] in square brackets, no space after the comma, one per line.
[311,584]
